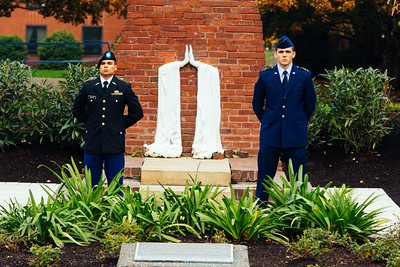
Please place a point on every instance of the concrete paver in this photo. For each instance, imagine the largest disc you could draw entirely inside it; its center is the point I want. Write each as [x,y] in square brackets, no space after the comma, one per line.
[20,192]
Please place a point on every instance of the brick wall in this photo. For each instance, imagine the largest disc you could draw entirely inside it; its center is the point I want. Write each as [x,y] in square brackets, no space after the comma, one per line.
[224,34]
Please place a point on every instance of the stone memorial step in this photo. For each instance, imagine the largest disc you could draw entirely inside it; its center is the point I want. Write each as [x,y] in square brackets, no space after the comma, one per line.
[182,254]
[176,171]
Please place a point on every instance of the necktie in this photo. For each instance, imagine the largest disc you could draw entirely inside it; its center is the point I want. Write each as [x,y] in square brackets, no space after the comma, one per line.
[285,80]
[105,85]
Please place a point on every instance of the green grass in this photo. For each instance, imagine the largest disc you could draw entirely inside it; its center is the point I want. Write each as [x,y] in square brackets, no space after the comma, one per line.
[269,58]
[394,106]
[50,73]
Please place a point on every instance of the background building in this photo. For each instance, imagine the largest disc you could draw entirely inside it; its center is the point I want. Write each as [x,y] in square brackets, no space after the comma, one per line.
[33,27]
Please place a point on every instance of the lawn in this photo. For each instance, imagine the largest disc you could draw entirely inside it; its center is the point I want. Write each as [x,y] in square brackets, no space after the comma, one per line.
[50,73]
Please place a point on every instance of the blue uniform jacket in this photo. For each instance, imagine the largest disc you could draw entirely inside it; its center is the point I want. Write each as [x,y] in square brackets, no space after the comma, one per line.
[284,115]
[103,113]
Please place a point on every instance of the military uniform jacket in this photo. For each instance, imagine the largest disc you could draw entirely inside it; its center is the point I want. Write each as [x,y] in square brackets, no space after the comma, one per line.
[103,113]
[284,114]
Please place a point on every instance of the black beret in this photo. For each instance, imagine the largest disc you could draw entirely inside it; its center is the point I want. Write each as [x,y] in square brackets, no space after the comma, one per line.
[107,56]
[284,42]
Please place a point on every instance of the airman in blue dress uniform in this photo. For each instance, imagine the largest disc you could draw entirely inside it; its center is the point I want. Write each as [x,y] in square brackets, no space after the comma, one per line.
[284,100]
[100,104]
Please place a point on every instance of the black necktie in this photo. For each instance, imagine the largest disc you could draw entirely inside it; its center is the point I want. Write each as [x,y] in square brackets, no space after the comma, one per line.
[284,82]
[105,85]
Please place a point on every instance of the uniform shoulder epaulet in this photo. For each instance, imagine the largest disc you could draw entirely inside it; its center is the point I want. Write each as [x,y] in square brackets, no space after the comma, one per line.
[91,79]
[122,80]
[267,69]
[304,69]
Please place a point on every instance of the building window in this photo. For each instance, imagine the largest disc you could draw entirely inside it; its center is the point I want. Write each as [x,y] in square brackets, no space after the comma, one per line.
[34,34]
[92,34]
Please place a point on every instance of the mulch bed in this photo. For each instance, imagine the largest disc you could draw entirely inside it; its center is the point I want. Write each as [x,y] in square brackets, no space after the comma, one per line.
[380,169]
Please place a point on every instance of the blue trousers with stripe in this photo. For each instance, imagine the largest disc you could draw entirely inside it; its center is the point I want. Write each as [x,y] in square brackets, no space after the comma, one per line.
[113,164]
[268,158]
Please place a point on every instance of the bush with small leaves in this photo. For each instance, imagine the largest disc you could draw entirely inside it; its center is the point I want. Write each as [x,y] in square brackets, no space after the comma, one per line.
[316,241]
[45,255]
[59,52]
[126,232]
[12,51]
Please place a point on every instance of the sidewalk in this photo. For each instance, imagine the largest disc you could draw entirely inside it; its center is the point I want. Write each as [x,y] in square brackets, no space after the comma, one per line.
[20,192]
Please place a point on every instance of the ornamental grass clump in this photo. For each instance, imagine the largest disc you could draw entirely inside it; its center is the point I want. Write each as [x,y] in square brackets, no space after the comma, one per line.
[191,201]
[242,218]
[298,208]
[289,198]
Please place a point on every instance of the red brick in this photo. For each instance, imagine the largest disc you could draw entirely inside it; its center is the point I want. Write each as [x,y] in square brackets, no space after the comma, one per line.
[225,34]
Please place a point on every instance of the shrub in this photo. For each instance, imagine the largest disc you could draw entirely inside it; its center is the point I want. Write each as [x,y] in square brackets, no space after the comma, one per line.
[356,103]
[314,242]
[45,256]
[118,234]
[15,102]
[12,52]
[29,108]
[59,52]
[382,249]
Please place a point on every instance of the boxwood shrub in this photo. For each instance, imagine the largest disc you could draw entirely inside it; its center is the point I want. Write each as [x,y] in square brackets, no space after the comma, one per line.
[59,52]
[12,52]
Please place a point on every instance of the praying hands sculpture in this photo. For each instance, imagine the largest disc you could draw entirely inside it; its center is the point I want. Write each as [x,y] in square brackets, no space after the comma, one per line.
[168,141]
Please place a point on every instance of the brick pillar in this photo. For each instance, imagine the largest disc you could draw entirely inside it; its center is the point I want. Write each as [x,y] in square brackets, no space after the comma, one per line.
[224,34]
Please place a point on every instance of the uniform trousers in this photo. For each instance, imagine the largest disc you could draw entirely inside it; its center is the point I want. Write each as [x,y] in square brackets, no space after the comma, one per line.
[268,158]
[113,164]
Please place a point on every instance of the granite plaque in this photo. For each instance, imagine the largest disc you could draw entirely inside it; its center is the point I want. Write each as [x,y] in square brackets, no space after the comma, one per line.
[184,252]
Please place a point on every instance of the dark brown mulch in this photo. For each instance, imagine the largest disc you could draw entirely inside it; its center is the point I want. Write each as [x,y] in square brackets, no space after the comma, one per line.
[73,255]
[375,170]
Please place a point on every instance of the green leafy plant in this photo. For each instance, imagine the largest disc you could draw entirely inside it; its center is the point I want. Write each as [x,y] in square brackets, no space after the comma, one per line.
[220,237]
[340,212]
[45,255]
[192,200]
[298,207]
[357,104]
[12,51]
[59,52]
[289,197]
[45,221]
[12,240]
[34,109]
[117,234]
[15,102]
[78,193]
[382,249]
[315,241]
[242,218]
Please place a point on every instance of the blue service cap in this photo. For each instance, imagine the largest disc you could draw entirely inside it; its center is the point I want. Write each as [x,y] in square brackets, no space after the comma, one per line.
[107,56]
[284,42]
